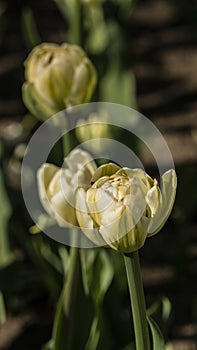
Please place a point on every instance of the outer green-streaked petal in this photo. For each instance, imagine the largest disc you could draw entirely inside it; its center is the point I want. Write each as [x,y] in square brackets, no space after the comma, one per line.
[169,182]
[105,170]
[59,85]
[92,80]
[44,177]
[84,82]
[36,104]
[122,233]
[85,221]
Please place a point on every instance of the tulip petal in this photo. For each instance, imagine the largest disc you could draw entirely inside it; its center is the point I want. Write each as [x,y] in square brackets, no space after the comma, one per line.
[105,170]
[137,207]
[85,221]
[78,158]
[122,233]
[74,52]
[83,85]
[44,176]
[36,104]
[169,184]
[63,212]
[154,199]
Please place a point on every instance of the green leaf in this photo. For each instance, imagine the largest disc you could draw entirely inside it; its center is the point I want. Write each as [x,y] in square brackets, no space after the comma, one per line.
[98,36]
[102,276]
[94,335]
[157,337]
[6,256]
[160,311]
[88,257]
[75,310]
[71,12]
[97,272]
[2,310]
[63,253]
[118,85]
[29,29]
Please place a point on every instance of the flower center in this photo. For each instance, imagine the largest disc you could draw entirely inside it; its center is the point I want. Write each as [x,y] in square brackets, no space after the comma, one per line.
[117,187]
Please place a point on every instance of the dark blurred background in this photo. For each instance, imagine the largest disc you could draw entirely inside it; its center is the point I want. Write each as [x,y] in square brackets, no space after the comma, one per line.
[161,48]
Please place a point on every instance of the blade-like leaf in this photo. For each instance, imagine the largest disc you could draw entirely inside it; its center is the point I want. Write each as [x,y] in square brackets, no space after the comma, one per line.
[5,211]
[97,272]
[2,310]
[115,78]
[30,30]
[157,337]
[94,335]
[74,309]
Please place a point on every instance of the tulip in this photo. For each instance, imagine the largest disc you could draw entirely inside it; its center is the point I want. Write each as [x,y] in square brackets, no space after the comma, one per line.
[57,77]
[124,206]
[57,186]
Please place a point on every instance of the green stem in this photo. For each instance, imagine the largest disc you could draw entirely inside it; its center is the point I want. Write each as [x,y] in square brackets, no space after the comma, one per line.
[75,21]
[137,301]
[66,144]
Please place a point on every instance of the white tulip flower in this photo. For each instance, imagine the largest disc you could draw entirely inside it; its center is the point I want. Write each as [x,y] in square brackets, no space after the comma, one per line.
[57,186]
[124,206]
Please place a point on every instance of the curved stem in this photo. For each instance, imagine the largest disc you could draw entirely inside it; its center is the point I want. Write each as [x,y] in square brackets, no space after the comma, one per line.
[138,306]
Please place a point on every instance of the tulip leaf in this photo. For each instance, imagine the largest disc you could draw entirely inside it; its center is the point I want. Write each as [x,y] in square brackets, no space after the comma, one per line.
[5,211]
[157,337]
[98,36]
[102,277]
[73,304]
[94,336]
[30,30]
[2,310]
[97,273]
[161,311]
[97,277]
[118,85]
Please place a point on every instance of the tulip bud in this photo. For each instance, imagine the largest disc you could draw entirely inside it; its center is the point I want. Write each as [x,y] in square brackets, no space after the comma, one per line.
[57,77]
[57,186]
[124,206]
